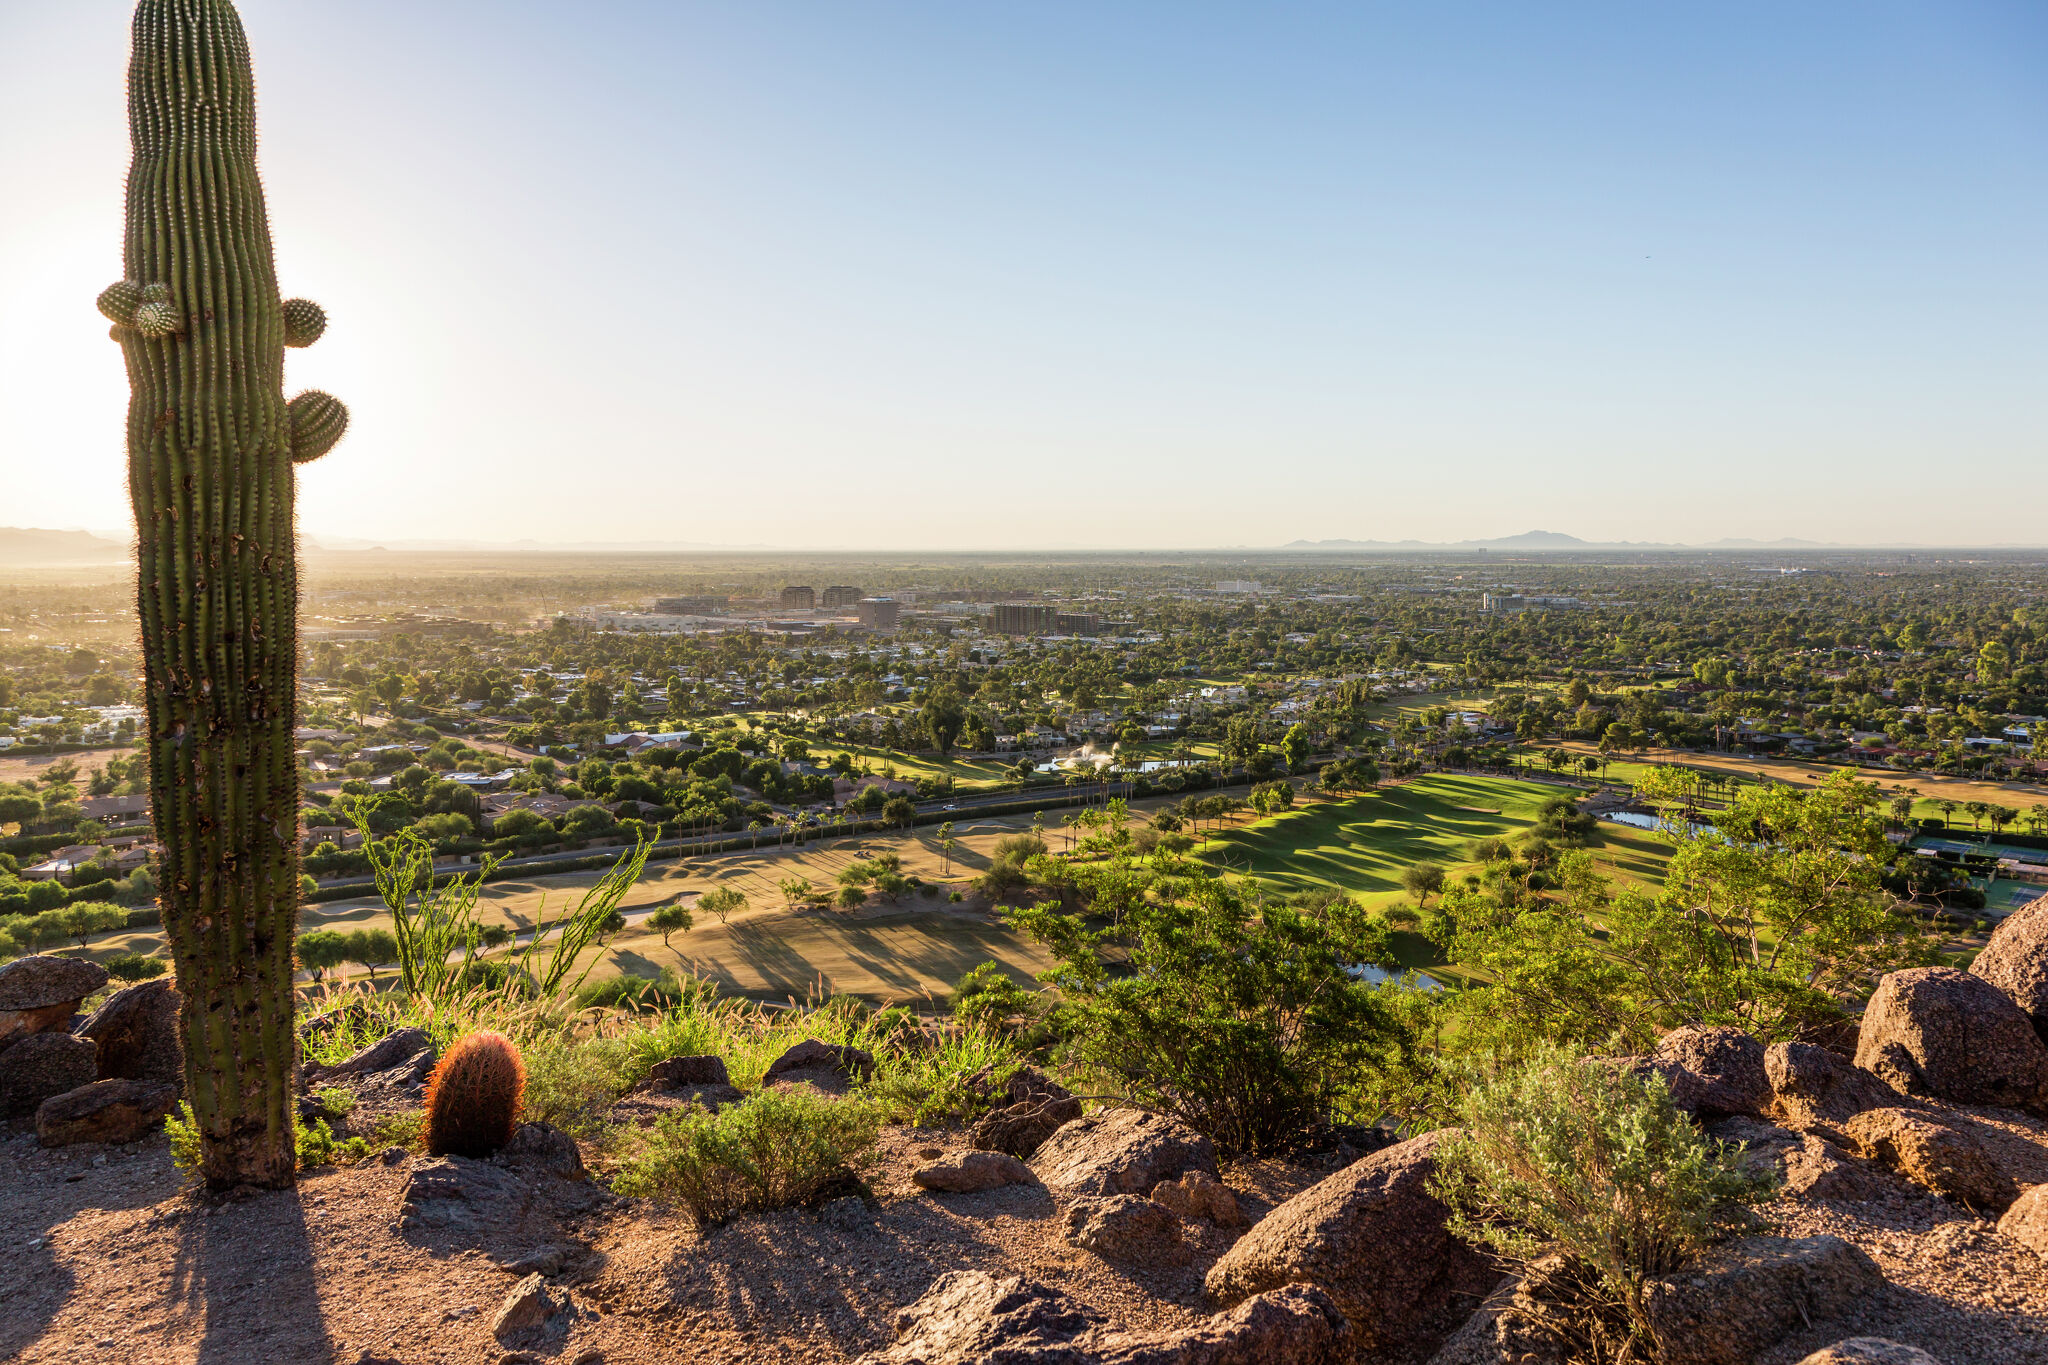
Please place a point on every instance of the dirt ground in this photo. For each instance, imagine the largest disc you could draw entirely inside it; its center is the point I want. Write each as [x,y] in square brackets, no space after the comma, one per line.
[106,1258]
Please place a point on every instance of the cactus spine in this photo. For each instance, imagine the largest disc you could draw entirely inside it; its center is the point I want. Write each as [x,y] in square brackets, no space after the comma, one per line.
[473,1096]
[202,331]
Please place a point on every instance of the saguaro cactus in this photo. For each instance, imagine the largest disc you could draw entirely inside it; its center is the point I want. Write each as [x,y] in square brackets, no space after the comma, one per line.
[211,443]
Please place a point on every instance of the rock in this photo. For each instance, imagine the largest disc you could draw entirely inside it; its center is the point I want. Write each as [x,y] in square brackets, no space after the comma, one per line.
[1295,1325]
[1373,1238]
[527,1307]
[1933,1155]
[1126,1227]
[1745,1296]
[543,1146]
[461,1198]
[969,1317]
[1024,1111]
[39,980]
[549,1260]
[965,1172]
[1713,1071]
[683,1073]
[1870,1351]
[1197,1194]
[848,1213]
[1120,1151]
[104,1111]
[1811,1087]
[42,1065]
[2026,1222]
[1764,1145]
[2016,961]
[1935,1031]
[1818,1169]
[39,994]
[824,1066]
[135,1033]
[400,1048]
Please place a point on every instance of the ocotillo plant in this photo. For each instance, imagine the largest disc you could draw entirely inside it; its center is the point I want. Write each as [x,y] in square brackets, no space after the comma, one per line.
[211,443]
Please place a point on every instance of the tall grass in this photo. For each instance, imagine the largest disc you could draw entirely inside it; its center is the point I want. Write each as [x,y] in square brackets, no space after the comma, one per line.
[580,1061]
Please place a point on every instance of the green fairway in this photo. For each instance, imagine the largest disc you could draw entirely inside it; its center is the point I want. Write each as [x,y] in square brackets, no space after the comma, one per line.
[1360,846]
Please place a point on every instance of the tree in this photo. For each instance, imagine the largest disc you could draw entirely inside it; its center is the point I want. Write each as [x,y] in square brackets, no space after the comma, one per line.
[1296,746]
[368,948]
[794,890]
[942,717]
[899,810]
[1241,738]
[722,901]
[673,918]
[1422,880]
[82,921]
[947,843]
[322,950]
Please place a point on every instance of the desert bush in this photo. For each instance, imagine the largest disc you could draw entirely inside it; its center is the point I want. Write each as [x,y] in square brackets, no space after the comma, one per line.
[1595,1164]
[1244,1020]
[987,996]
[774,1149]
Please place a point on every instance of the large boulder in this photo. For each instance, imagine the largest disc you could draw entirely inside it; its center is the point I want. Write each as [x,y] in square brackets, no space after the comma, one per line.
[2026,1222]
[966,1172]
[104,1111]
[1818,1169]
[1126,1227]
[1372,1236]
[1713,1071]
[829,1067]
[42,1065]
[135,1034]
[1813,1088]
[1745,1296]
[970,1317]
[2016,961]
[1939,1032]
[1120,1151]
[542,1146]
[701,1080]
[1933,1155]
[40,993]
[1870,1351]
[399,1048]
[1024,1110]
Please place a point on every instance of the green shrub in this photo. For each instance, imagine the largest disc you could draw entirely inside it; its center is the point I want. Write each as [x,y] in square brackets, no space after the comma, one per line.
[774,1149]
[1597,1165]
[1244,1020]
[986,997]
[136,967]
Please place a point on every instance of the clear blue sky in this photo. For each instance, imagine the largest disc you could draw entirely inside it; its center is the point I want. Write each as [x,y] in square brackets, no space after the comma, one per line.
[1062,274]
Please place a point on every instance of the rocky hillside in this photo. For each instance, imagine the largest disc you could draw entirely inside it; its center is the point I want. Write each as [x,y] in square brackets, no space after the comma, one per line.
[1910,1223]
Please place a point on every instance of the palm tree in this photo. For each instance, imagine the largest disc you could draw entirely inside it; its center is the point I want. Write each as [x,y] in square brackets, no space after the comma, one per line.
[1947,808]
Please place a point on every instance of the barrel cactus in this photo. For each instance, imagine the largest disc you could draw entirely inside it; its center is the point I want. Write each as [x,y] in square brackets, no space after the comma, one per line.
[473,1096]
[211,445]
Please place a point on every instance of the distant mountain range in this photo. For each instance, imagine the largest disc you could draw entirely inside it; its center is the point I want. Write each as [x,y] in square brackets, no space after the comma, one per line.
[1553,540]
[22,548]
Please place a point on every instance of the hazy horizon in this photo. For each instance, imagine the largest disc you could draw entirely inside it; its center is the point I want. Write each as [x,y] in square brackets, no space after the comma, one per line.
[1162,277]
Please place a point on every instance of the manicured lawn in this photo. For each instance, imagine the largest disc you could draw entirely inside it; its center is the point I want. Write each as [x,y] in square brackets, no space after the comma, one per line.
[1361,845]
